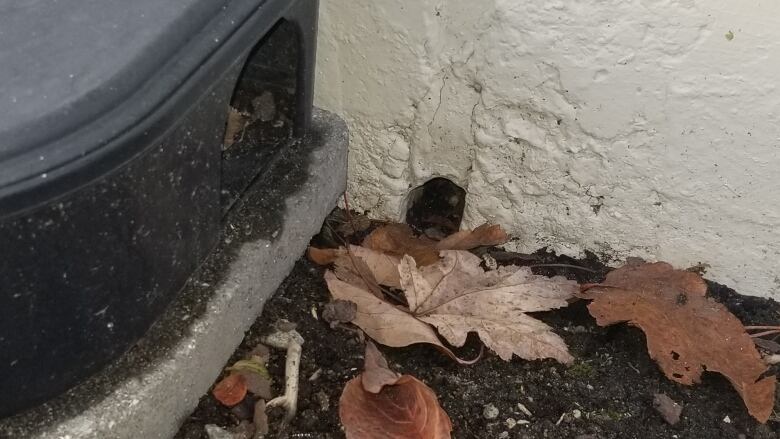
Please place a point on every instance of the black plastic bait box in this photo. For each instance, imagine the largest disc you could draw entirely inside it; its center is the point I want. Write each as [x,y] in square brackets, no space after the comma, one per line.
[112,119]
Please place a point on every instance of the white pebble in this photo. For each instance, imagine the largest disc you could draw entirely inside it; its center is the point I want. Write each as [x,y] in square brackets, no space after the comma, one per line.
[490,411]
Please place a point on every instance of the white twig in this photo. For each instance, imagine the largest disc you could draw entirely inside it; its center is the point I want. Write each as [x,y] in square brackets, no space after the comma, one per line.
[291,340]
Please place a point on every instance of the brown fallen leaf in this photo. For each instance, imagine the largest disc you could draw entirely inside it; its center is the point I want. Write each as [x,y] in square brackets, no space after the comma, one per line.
[687,333]
[399,240]
[457,297]
[401,408]
[376,372]
[381,320]
[323,256]
[230,390]
[360,265]
[486,234]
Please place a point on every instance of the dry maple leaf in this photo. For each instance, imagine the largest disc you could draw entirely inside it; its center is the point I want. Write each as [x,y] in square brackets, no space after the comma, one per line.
[399,240]
[457,297]
[396,407]
[360,265]
[687,333]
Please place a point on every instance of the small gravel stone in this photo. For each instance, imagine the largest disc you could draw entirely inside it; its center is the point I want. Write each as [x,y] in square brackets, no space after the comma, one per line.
[576,413]
[503,435]
[524,409]
[490,411]
[668,408]
[216,432]
[510,423]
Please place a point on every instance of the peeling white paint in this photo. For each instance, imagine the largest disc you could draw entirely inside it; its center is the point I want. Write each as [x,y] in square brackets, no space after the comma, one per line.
[624,128]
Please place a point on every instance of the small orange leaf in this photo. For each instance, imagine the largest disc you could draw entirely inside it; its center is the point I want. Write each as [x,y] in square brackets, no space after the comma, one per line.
[231,390]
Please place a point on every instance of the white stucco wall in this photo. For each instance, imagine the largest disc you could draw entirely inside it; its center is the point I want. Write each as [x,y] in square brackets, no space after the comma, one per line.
[629,128]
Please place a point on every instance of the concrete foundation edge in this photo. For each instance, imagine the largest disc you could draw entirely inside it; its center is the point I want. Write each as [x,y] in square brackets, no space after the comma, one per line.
[155,402]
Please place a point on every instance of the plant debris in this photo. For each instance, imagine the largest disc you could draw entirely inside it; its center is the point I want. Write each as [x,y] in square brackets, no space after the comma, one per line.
[236,124]
[376,371]
[687,333]
[339,311]
[260,418]
[287,338]
[457,296]
[381,404]
[668,409]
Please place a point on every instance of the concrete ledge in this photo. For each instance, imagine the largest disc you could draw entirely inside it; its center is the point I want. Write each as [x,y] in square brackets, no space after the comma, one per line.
[152,388]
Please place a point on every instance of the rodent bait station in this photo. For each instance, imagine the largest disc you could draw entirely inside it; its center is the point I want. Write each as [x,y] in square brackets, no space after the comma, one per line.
[112,178]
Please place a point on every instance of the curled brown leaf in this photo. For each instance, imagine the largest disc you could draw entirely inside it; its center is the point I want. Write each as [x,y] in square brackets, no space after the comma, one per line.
[403,408]
[400,240]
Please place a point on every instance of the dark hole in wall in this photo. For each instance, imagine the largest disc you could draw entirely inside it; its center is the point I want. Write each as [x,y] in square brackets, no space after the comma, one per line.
[262,110]
[436,207]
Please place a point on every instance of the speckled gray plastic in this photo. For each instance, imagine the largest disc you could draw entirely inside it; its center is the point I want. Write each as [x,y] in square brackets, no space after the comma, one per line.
[150,391]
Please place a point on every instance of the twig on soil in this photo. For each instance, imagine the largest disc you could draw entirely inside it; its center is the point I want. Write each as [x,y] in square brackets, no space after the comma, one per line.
[577,267]
[765,330]
[346,209]
[289,339]
[765,333]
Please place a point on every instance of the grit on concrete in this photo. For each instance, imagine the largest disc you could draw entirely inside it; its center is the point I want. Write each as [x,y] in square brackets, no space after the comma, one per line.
[152,388]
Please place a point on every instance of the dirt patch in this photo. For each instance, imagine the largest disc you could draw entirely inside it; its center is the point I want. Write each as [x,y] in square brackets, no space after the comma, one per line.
[606,393]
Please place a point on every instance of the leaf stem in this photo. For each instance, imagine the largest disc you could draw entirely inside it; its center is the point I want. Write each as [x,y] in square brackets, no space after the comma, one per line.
[563,266]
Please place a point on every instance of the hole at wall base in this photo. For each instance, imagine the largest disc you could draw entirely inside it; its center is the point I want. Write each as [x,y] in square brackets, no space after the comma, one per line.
[436,207]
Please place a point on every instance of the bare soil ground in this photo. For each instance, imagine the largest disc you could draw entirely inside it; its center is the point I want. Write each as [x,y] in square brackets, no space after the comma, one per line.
[606,393]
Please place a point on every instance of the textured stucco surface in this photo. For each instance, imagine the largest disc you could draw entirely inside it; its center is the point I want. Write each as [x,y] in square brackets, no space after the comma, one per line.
[645,129]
